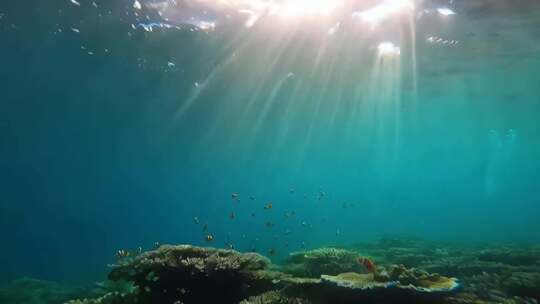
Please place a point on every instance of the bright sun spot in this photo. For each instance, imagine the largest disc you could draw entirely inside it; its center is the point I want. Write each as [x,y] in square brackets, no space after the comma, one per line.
[388,49]
[287,8]
[384,11]
[207,26]
[299,8]
[445,11]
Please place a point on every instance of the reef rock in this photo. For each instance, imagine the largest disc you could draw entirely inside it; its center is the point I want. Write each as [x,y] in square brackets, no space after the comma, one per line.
[328,261]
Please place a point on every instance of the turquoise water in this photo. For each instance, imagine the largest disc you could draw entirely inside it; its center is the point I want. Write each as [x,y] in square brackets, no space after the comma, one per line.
[122,127]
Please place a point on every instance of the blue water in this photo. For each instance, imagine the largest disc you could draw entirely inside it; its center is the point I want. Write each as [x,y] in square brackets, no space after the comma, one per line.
[112,140]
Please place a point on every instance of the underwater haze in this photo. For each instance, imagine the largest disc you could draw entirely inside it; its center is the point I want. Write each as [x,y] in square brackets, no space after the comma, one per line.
[268,126]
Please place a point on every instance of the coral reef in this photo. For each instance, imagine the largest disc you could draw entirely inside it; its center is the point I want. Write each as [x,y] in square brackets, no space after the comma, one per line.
[109,298]
[489,274]
[354,287]
[404,286]
[187,274]
[355,280]
[511,256]
[32,291]
[274,297]
[314,263]
[421,281]
[115,292]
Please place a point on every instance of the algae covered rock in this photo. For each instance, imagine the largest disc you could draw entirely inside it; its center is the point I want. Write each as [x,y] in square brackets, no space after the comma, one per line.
[329,261]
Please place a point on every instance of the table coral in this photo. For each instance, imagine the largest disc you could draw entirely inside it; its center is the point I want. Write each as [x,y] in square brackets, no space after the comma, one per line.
[314,263]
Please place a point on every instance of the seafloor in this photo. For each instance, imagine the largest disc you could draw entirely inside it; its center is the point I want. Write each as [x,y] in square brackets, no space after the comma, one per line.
[407,270]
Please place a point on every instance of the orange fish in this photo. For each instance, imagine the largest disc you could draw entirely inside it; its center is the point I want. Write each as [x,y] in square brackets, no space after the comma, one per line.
[368,264]
[268,206]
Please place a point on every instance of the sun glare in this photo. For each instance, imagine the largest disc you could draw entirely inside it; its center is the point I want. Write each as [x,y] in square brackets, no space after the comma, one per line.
[445,11]
[296,8]
[385,10]
[388,49]
[287,8]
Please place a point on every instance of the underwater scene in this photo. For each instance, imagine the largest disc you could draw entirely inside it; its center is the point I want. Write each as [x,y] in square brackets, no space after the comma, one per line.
[269,151]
